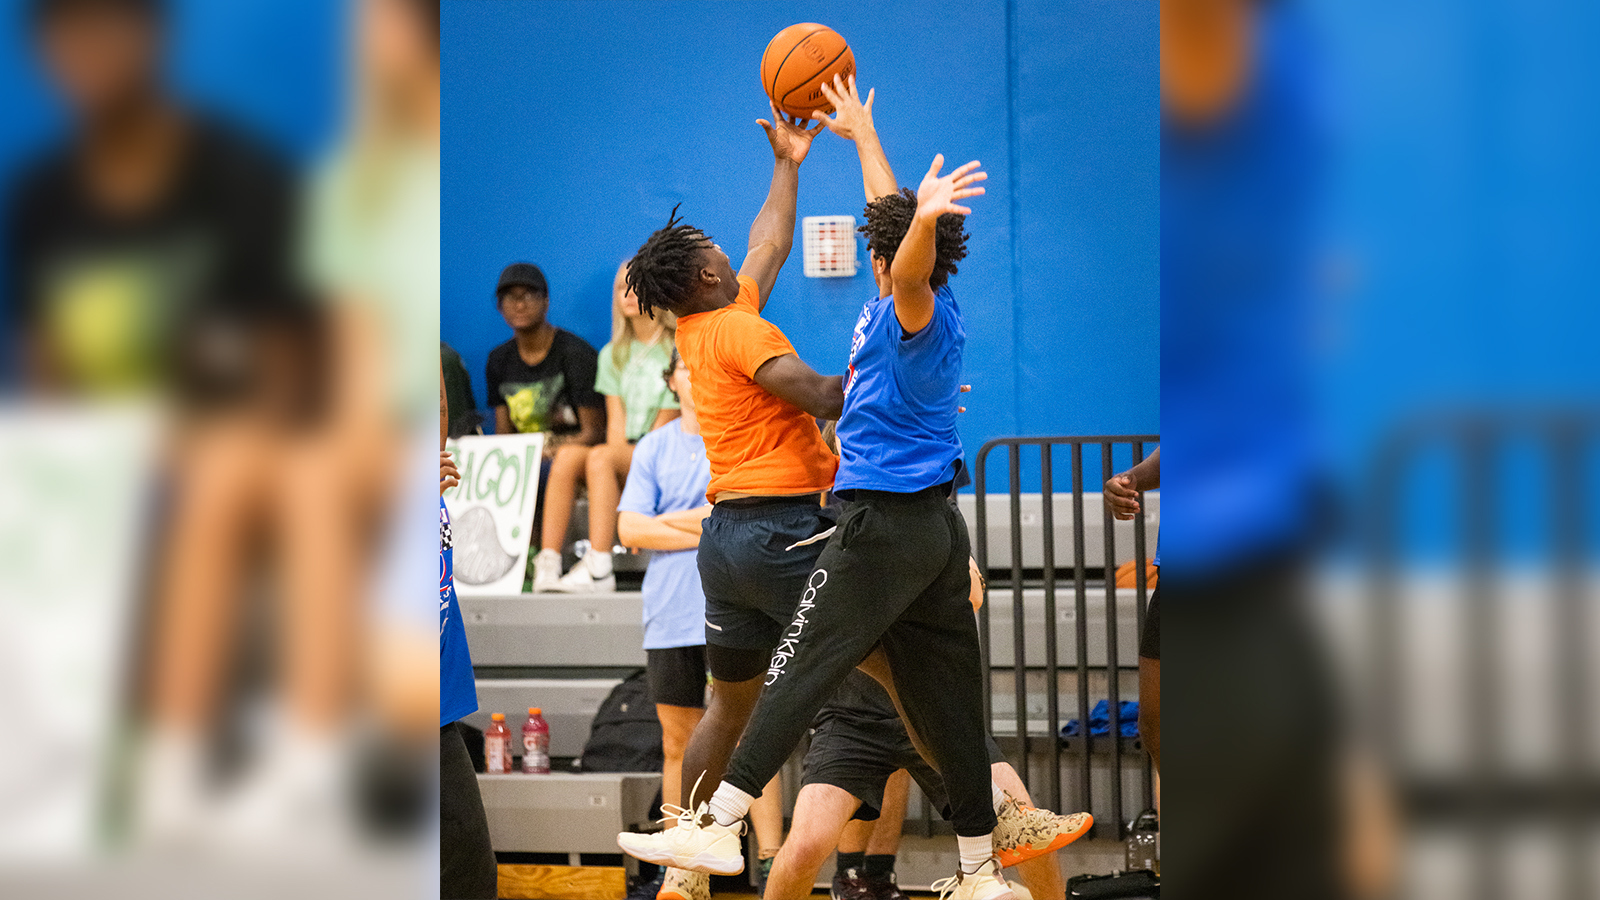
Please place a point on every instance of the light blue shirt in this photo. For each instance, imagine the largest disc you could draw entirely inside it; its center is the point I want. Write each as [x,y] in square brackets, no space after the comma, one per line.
[670,473]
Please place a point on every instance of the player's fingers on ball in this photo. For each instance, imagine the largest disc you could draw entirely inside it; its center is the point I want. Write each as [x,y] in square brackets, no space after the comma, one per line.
[965,388]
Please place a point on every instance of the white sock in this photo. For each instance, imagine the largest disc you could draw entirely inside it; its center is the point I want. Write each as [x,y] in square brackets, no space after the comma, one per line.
[997,794]
[599,563]
[729,804]
[975,851]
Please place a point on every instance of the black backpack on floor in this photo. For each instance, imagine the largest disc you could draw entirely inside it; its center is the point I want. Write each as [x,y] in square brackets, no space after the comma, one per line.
[626,735]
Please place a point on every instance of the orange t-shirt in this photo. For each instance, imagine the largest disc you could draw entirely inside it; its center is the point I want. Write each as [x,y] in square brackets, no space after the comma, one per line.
[756,443]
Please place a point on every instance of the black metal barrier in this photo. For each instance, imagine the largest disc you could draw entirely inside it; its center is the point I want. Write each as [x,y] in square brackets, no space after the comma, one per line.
[1049,794]
[1491,796]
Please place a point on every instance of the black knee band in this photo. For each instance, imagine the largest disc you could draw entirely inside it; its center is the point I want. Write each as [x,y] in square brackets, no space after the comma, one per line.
[732,664]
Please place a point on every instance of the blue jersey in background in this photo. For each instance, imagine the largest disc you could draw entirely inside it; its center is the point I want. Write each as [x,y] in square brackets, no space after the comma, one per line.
[458,694]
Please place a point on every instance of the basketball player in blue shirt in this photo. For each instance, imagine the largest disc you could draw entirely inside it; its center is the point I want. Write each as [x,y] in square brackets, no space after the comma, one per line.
[894,573]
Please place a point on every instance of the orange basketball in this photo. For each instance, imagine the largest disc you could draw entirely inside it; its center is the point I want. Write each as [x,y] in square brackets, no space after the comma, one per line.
[797,62]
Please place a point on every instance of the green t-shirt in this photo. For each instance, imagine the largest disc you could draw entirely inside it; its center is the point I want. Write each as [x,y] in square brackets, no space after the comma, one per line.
[639,383]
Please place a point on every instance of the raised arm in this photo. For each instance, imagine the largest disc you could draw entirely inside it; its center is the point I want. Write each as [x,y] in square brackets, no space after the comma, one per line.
[787,378]
[772,235]
[913,261]
[852,120]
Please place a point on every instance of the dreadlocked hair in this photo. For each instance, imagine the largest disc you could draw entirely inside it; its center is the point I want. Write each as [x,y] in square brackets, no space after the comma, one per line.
[662,274]
[889,218]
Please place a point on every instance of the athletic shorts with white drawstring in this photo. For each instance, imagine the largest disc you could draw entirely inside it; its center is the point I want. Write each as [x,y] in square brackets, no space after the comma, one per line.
[755,556]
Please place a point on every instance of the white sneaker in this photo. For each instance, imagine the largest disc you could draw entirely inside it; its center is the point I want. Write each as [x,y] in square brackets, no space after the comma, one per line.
[546,571]
[173,807]
[294,803]
[984,884]
[712,848]
[583,580]
[684,885]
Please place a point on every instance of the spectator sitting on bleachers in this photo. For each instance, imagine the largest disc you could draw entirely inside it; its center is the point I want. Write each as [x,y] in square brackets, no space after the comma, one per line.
[543,380]
[637,402]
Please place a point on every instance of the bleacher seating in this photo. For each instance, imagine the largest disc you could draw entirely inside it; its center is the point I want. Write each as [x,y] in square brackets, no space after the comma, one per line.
[568,651]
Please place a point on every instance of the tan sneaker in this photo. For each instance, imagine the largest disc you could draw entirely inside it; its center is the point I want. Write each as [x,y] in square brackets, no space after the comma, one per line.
[681,884]
[1024,832]
[985,884]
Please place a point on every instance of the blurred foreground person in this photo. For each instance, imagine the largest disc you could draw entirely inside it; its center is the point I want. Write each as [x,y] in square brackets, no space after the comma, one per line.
[1256,806]
[466,856]
[146,249]
[318,486]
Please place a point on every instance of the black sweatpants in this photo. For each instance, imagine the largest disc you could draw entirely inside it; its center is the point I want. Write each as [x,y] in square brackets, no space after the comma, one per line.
[894,573]
[466,858]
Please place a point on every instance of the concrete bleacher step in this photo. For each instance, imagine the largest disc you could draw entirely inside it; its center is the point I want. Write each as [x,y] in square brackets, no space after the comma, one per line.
[606,630]
[1002,625]
[566,812]
[573,630]
[568,704]
[998,507]
[1031,508]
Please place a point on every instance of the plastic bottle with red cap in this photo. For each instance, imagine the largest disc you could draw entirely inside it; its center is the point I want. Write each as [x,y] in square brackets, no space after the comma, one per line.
[497,746]
[535,743]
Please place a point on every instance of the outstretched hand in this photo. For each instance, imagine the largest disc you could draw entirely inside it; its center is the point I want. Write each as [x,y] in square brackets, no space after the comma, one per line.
[789,136]
[851,118]
[1122,496]
[937,195]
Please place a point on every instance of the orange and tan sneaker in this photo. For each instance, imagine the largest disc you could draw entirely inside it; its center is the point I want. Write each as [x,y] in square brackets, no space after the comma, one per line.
[681,884]
[1023,832]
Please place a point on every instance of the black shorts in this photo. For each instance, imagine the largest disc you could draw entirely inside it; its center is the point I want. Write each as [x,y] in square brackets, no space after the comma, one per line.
[858,756]
[677,676]
[1150,636]
[752,578]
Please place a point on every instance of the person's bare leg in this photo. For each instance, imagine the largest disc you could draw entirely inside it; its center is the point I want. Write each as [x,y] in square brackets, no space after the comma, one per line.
[820,815]
[320,496]
[677,724]
[877,665]
[1150,708]
[1042,874]
[607,469]
[217,497]
[560,493]
[857,834]
[766,816]
[885,838]
[705,760]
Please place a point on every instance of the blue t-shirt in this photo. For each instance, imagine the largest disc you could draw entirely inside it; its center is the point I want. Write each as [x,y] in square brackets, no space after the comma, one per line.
[670,473]
[898,430]
[458,693]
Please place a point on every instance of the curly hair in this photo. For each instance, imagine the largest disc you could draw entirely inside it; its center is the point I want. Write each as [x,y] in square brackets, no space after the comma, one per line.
[662,274]
[888,220]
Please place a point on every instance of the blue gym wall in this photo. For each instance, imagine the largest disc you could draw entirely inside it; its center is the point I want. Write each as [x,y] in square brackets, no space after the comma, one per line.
[571,129]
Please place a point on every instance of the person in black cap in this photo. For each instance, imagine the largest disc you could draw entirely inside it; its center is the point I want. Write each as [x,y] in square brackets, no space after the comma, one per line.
[543,380]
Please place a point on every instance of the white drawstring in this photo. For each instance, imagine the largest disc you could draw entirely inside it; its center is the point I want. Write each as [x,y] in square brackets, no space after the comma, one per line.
[813,539]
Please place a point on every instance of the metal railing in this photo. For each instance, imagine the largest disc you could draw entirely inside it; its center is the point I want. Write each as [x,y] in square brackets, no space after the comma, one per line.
[1508,464]
[1080,566]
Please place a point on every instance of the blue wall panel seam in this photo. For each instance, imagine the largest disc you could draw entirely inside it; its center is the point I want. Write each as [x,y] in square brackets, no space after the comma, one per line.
[1013,170]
